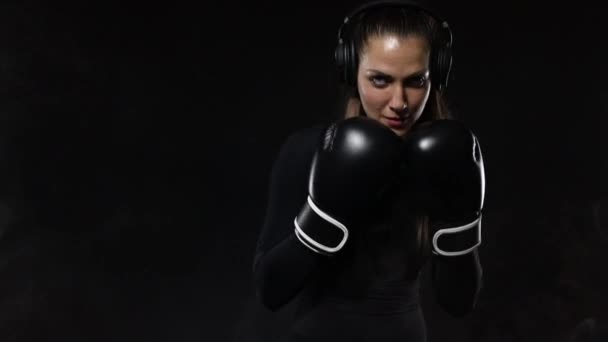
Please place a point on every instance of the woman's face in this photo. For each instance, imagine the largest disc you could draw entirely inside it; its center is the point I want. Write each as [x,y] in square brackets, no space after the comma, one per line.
[393,80]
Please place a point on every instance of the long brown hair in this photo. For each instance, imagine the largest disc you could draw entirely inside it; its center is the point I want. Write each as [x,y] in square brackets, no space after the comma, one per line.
[389,21]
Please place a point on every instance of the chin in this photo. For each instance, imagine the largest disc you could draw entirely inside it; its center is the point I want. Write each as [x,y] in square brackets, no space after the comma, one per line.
[403,130]
[400,131]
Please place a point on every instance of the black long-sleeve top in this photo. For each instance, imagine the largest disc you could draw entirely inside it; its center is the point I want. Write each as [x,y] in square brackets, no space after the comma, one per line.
[370,288]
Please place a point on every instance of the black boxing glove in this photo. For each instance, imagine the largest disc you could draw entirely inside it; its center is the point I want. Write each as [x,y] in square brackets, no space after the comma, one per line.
[445,170]
[355,163]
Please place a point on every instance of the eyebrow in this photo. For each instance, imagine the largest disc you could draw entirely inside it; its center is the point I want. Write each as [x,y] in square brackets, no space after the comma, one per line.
[415,74]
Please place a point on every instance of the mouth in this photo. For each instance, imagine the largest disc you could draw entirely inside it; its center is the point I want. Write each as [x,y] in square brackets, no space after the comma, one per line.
[396,122]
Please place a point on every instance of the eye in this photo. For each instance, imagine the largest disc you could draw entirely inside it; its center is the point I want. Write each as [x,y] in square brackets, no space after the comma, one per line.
[417,82]
[379,81]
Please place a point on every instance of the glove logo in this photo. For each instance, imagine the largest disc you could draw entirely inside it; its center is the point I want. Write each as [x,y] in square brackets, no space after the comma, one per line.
[328,139]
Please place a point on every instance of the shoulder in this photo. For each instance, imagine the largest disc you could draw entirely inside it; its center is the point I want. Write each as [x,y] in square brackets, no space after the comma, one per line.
[302,142]
[304,137]
[297,151]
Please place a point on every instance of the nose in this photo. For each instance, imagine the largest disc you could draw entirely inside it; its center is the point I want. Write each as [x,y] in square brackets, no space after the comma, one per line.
[398,102]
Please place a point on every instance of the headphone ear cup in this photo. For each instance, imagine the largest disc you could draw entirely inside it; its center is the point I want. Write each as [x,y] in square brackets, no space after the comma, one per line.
[340,62]
[352,65]
[444,64]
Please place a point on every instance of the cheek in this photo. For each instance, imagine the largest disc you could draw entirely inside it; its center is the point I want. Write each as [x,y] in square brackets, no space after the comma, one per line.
[418,98]
[373,99]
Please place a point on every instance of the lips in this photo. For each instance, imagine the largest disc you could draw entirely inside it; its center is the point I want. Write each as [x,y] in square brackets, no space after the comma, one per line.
[395,122]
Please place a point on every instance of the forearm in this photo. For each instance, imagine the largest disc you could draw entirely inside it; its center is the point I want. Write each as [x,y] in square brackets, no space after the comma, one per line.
[280,273]
[457,281]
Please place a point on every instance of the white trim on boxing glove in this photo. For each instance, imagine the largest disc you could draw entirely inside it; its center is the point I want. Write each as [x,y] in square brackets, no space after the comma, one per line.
[314,245]
[480,164]
[307,244]
[454,230]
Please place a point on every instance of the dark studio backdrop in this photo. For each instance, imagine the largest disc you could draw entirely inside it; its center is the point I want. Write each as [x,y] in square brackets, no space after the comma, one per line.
[137,141]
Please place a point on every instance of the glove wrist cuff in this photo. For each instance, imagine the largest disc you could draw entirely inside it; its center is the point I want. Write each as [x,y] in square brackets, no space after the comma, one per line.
[319,231]
[459,240]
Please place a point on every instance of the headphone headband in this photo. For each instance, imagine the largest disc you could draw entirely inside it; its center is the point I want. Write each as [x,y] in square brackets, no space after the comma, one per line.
[441,55]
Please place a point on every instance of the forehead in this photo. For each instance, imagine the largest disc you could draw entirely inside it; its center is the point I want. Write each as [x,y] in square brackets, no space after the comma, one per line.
[396,54]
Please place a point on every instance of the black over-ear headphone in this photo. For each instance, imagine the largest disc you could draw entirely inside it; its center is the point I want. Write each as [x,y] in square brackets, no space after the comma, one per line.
[441,50]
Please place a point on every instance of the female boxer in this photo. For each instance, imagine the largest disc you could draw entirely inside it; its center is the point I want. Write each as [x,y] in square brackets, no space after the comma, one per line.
[356,208]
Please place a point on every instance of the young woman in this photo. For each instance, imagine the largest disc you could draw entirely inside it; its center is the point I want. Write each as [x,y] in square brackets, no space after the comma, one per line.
[358,207]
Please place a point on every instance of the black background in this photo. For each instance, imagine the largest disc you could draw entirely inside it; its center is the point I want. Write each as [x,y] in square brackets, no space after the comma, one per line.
[137,141]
